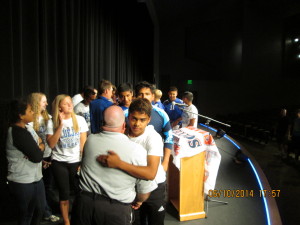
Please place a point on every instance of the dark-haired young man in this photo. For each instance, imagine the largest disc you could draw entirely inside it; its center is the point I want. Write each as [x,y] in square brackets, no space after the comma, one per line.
[173,111]
[151,211]
[125,94]
[83,107]
[159,119]
[76,99]
[190,112]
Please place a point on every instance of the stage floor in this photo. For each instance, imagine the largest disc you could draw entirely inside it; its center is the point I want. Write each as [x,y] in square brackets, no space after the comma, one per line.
[233,176]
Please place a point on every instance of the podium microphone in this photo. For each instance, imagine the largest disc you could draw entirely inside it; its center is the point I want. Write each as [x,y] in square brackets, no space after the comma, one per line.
[179,104]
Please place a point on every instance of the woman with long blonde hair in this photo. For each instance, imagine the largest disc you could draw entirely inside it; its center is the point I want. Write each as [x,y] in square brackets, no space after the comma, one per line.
[66,135]
[38,102]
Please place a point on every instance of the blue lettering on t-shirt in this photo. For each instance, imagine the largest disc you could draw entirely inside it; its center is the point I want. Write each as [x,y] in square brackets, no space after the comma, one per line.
[86,116]
[69,132]
[69,138]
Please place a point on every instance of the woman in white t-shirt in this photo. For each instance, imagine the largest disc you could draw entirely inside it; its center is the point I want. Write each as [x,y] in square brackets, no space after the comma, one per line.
[66,135]
[38,102]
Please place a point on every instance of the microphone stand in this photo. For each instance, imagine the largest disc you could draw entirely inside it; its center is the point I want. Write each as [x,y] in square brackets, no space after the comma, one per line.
[208,120]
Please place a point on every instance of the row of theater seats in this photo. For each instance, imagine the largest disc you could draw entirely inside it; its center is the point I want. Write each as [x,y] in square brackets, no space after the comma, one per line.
[256,126]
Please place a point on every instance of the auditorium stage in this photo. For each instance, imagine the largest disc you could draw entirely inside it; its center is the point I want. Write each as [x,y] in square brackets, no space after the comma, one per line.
[243,177]
[239,184]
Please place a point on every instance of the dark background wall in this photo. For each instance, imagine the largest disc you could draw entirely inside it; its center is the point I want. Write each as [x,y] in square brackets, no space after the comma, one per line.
[234,52]
[59,46]
[239,54]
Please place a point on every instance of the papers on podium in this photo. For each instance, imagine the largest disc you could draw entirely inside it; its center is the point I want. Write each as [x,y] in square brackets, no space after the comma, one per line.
[190,141]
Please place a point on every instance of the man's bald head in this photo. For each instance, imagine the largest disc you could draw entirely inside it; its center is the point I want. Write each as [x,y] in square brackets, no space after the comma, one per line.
[114,119]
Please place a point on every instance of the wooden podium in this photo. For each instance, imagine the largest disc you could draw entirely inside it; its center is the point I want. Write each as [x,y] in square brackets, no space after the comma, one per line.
[186,187]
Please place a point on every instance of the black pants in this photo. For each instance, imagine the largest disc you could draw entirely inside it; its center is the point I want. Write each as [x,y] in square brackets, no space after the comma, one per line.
[29,200]
[48,176]
[94,209]
[152,211]
[65,176]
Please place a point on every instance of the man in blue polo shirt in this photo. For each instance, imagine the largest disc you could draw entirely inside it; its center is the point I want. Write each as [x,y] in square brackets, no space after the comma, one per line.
[98,106]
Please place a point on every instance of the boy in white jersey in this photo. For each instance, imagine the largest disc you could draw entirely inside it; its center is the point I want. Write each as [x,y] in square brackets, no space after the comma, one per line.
[190,112]
[153,210]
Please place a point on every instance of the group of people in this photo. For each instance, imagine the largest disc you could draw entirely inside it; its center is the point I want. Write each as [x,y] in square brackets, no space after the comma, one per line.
[110,146]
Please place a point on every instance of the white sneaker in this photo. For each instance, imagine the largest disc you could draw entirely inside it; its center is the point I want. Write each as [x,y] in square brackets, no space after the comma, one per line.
[52,218]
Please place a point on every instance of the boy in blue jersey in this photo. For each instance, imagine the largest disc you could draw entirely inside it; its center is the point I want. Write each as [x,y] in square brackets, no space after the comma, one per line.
[173,111]
[157,97]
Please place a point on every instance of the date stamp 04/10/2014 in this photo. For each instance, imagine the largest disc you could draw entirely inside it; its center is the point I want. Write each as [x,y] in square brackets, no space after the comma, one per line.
[243,193]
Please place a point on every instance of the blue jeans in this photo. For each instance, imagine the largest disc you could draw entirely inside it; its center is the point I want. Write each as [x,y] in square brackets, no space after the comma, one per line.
[30,201]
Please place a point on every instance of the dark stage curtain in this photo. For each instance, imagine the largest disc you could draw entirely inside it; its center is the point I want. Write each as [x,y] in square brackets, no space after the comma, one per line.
[58,46]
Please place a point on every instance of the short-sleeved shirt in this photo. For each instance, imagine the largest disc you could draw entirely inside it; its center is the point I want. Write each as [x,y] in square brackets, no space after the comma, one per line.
[76,99]
[97,108]
[153,144]
[190,112]
[42,134]
[161,123]
[114,183]
[67,148]
[84,111]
